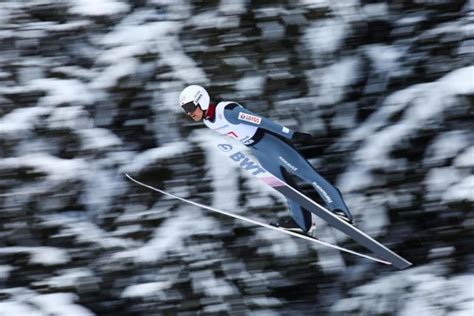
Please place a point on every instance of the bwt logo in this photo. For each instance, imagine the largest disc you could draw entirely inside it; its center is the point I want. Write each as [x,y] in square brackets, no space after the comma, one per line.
[242,160]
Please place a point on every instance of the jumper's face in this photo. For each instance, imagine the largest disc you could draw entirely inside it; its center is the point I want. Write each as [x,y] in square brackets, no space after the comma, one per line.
[193,110]
[197,114]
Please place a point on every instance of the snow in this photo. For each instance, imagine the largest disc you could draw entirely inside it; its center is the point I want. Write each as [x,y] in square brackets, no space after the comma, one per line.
[160,37]
[250,85]
[70,117]
[462,191]
[459,81]
[56,169]
[212,286]
[102,185]
[207,20]
[441,252]
[265,302]
[376,11]
[47,256]
[449,28]
[384,57]
[5,271]
[21,121]
[68,278]
[57,27]
[112,74]
[144,159]
[145,289]
[174,9]
[446,146]
[28,73]
[120,36]
[379,136]
[466,47]
[98,8]
[465,159]
[417,96]
[20,309]
[316,3]
[97,138]
[331,82]
[356,178]
[165,99]
[169,235]
[205,281]
[184,68]
[415,307]
[409,20]
[219,308]
[136,214]
[325,36]
[438,180]
[431,298]
[86,232]
[330,260]
[370,212]
[233,7]
[62,91]
[272,30]
[348,10]
[77,72]
[279,245]
[421,289]
[425,291]
[60,304]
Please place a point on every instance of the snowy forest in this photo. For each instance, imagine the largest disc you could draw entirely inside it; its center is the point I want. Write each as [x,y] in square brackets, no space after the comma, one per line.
[89,91]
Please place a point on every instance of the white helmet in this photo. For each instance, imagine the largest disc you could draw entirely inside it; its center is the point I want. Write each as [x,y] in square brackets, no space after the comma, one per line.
[192,96]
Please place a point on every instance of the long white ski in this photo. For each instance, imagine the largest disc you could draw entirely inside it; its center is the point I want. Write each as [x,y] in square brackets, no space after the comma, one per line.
[365,240]
[257,222]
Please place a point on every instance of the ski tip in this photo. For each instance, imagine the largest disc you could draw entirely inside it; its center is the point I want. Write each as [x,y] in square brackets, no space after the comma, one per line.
[404,265]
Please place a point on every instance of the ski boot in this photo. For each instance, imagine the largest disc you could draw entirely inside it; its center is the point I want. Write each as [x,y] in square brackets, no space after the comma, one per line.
[344,216]
[289,224]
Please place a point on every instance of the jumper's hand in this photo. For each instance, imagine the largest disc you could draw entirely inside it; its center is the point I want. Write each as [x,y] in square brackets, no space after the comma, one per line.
[302,138]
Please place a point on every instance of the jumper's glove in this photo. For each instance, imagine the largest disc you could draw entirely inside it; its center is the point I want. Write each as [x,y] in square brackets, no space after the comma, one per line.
[302,138]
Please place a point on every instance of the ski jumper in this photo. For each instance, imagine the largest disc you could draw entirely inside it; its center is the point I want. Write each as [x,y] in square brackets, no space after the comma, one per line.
[268,142]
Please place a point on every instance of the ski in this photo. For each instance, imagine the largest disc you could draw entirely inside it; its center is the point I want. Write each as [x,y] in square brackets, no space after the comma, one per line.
[248,220]
[360,237]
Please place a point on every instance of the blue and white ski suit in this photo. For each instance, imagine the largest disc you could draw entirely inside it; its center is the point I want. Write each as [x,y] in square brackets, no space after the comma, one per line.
[268,142]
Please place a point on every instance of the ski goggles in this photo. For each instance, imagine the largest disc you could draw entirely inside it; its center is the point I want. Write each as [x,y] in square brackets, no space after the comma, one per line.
[189,107]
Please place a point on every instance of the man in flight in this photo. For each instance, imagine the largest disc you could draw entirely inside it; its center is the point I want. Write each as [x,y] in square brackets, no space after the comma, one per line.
[271,144]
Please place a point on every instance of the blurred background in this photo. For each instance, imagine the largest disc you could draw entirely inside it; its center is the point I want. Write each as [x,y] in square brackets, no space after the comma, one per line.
[89,90]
